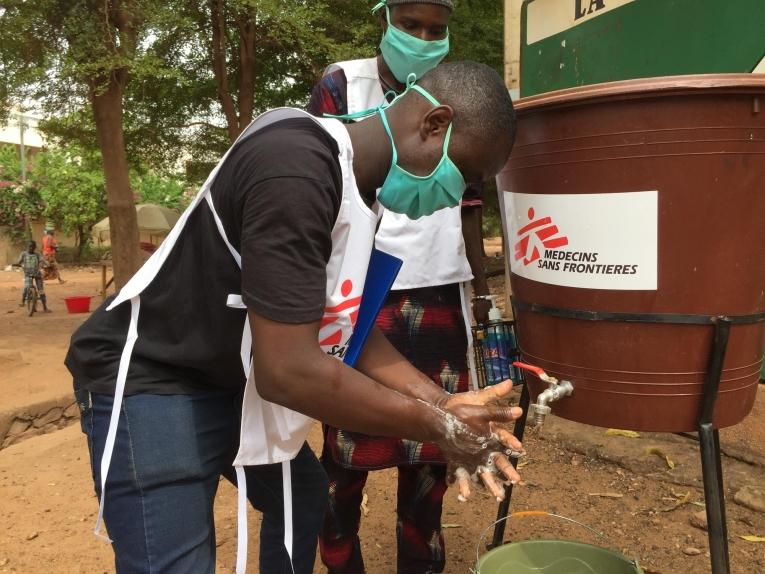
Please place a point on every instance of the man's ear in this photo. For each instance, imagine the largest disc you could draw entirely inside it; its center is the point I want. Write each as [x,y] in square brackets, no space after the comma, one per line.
[436,122]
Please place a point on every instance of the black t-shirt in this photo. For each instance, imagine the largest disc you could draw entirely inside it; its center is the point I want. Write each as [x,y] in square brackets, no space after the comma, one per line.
[277,194]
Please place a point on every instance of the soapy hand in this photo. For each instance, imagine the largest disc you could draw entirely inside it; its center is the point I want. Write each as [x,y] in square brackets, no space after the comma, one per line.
[474,442]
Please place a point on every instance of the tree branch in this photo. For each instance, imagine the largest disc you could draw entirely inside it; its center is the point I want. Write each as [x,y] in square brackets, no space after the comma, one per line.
[246,24]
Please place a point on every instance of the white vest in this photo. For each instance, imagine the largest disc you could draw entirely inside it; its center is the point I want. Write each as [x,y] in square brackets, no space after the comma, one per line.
[269,433]
[432,247]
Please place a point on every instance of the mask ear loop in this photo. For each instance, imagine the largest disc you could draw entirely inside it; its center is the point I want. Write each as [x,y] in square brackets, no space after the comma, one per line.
[447,139]
[394,154]
[424,93]
[364,113]
[410,84]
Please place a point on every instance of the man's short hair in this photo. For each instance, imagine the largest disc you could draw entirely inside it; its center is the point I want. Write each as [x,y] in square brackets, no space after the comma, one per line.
[482,106]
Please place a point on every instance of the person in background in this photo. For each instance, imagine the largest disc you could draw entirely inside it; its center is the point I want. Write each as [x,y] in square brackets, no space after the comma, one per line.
[50,247]
[31,262]
[424,315]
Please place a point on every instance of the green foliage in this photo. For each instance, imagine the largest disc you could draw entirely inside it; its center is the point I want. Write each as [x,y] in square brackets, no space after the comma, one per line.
[57,52]
[153,188]
[71,185]
[350,31]
[82,254]
[10,168]
[18,205]
[476,33]
[53,51]
[292,42]
[492,220]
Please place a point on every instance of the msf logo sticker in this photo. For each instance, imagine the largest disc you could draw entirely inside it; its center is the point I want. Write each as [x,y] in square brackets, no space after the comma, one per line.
[535,237]
[336,319]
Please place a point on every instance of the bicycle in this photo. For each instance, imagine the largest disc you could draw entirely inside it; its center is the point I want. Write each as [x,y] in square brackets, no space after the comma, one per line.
[33,295]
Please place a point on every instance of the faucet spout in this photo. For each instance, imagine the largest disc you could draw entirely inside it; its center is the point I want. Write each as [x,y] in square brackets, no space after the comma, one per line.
[554,392]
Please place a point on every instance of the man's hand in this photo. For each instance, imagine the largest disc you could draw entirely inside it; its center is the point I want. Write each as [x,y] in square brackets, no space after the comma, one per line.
[474,441]
[404,403]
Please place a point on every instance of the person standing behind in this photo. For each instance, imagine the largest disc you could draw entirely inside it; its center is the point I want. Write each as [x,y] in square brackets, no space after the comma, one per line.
[50,247]
[31,261]
[423,315]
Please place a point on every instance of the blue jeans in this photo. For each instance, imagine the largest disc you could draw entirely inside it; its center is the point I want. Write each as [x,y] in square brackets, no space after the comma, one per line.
[169,455]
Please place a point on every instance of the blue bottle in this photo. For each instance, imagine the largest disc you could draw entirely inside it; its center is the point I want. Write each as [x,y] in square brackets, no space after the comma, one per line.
[496,347]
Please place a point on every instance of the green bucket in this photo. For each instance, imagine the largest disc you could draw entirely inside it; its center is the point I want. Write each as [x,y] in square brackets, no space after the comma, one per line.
[555,557]
[551,556]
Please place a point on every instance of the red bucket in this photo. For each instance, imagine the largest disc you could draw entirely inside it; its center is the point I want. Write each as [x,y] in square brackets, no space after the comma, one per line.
[79,304]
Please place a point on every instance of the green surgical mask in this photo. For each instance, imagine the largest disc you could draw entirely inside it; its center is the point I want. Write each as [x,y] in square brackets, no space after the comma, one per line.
[415,195]
[406,54]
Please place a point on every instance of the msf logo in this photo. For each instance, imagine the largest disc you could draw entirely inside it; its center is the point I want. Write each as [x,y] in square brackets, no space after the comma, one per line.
[337,318]
[535,237]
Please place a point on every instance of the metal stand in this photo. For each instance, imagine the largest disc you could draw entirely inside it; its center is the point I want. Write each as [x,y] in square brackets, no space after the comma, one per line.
[709,437]
[709,446]
[504,506]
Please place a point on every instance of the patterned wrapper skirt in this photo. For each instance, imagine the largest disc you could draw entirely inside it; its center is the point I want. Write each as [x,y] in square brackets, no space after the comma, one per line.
[426,326]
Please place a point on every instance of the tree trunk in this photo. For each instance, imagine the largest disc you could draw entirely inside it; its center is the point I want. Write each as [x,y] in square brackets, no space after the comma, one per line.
[246,24]
[80,236]
[218,55]
[123,224]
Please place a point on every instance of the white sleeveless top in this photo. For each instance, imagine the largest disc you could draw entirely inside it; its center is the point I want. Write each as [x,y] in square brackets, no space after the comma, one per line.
[269,433]
[432,247]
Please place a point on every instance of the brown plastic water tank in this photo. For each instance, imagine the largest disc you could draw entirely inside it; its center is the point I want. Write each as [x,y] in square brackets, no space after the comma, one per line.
[649,196]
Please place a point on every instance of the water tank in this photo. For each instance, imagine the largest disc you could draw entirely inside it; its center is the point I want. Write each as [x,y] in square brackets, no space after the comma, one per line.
[640,198]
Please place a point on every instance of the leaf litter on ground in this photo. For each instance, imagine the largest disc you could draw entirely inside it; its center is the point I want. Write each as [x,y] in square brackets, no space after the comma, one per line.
[622,432]
[661,454]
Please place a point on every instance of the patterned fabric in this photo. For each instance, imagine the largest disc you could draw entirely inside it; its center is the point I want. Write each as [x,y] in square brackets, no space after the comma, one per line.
[49,244]
[30,262]
[38,282]
[426,326]
[421,491]
[51,271]
[473,196]
[329,95]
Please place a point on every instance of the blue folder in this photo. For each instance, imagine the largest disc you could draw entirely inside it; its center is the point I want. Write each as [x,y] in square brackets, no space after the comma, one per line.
[382,272]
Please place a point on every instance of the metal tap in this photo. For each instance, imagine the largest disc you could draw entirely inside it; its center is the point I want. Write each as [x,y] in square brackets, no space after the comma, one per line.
[555,391]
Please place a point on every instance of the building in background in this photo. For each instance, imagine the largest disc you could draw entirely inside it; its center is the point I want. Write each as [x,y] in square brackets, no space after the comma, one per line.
[21,131]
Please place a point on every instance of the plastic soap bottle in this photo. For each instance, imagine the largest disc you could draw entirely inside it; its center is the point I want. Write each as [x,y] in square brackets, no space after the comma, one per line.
[497,344]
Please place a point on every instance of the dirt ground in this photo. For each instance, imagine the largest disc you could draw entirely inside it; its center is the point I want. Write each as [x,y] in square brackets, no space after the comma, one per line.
[32,349]
[613,484]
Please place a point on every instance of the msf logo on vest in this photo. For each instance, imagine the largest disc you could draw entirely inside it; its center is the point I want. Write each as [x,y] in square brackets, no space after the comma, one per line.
[338,322]
[536,236]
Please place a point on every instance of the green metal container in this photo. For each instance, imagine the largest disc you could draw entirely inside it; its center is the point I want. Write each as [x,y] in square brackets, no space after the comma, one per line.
[555,557]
